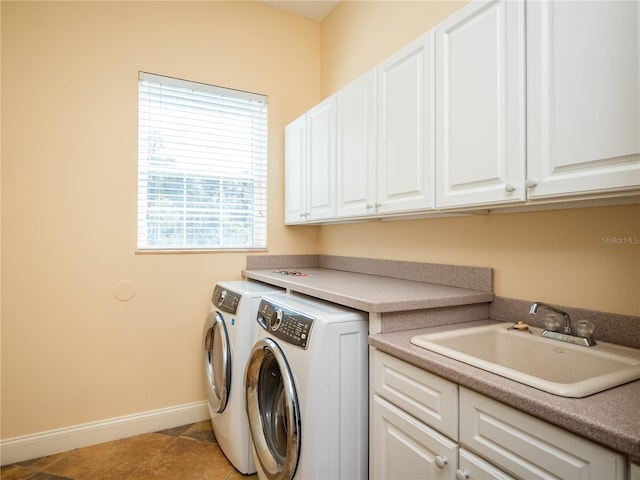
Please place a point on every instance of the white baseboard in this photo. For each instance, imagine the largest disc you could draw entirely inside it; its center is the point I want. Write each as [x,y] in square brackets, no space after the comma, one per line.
[37,445]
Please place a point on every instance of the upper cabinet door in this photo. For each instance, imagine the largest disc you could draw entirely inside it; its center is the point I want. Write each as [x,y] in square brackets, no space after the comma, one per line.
[321,177]
[405,128]
[480,105]
[356,148]
[295,172]
[583,97]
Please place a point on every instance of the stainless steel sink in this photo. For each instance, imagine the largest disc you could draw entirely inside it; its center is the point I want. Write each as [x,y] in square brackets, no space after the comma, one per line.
[549,365]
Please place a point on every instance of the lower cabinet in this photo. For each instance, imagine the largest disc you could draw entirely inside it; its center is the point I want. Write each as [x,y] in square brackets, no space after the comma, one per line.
[411,436]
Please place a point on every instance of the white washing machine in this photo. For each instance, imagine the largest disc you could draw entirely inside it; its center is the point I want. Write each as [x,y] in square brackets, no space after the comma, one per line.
[227,338]
[306,390]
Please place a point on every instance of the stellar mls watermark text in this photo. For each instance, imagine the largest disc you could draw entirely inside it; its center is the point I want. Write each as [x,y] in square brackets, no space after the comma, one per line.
[620,240]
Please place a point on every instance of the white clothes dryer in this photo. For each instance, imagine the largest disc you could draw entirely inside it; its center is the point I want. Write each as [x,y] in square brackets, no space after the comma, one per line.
[227,339]
[306,390]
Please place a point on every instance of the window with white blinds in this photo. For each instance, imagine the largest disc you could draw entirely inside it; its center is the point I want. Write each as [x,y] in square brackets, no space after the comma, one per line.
[202,166]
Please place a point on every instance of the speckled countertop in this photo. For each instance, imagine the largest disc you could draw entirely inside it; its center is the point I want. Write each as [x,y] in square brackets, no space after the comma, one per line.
[610,418]
[370,293]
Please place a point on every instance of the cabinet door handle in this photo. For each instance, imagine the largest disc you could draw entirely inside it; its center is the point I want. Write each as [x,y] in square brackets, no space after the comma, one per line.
[461,475]
[531,183]
[441,462]
[509,188]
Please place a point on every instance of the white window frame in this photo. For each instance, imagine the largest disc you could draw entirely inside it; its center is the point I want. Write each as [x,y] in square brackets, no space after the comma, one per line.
[202,166]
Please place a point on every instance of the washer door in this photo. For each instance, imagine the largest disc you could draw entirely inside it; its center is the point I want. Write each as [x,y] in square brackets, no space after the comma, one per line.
[272,407]
[217,361]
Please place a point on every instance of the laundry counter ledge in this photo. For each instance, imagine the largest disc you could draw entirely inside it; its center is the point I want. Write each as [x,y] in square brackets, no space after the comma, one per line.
[375,286]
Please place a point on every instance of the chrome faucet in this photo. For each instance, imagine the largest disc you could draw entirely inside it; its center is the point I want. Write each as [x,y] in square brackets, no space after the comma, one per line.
[567,321]
[567,334]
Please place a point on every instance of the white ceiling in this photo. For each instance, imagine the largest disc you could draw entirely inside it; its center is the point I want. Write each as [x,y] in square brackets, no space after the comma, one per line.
[313,9]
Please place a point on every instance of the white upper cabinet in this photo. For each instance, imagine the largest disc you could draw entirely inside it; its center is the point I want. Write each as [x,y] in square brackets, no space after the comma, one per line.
[480,106]
[506,102]
[582,97]
[310,165]
[321,181]
[295,205]
[356,160]
[406,128]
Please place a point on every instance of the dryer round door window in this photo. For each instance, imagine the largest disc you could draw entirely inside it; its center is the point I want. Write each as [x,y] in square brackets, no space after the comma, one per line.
[217,362]
[273,410]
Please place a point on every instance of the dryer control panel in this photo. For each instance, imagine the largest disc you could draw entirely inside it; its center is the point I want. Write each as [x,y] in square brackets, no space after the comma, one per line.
[225,299]
[285,324]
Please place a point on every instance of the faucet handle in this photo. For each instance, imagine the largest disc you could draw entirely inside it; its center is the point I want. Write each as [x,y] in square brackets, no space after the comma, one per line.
[584,328]
[552,322]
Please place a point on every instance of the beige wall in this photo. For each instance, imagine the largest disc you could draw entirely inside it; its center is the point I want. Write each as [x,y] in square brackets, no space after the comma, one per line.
[71,352]
[568,257]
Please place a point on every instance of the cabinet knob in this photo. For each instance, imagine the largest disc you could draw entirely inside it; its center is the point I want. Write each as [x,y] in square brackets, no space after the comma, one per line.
[441,462]
[509,188]
[531,183]
[369,206]
[461,475]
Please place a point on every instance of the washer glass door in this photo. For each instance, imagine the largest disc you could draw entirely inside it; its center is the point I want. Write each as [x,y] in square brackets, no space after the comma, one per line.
[273,410]
[217,361]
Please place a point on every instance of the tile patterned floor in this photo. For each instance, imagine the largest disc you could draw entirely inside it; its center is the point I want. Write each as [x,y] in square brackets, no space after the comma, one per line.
[182,453]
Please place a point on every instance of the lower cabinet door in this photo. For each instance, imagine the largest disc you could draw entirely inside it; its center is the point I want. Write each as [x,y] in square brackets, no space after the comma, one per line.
[471,467]
[404,448]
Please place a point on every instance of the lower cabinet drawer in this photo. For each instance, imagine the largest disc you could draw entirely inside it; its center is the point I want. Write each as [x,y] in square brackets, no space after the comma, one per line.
[427,397]
[404,448]
[531,448]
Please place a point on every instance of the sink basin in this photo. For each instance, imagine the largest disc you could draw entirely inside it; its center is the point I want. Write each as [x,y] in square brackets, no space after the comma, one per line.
[549,365]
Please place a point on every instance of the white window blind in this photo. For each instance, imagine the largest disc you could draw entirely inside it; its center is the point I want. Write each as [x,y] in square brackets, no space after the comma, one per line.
[202,166]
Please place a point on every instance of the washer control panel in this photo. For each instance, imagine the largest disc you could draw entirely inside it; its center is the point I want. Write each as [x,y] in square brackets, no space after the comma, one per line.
[285,324]
[224,299]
